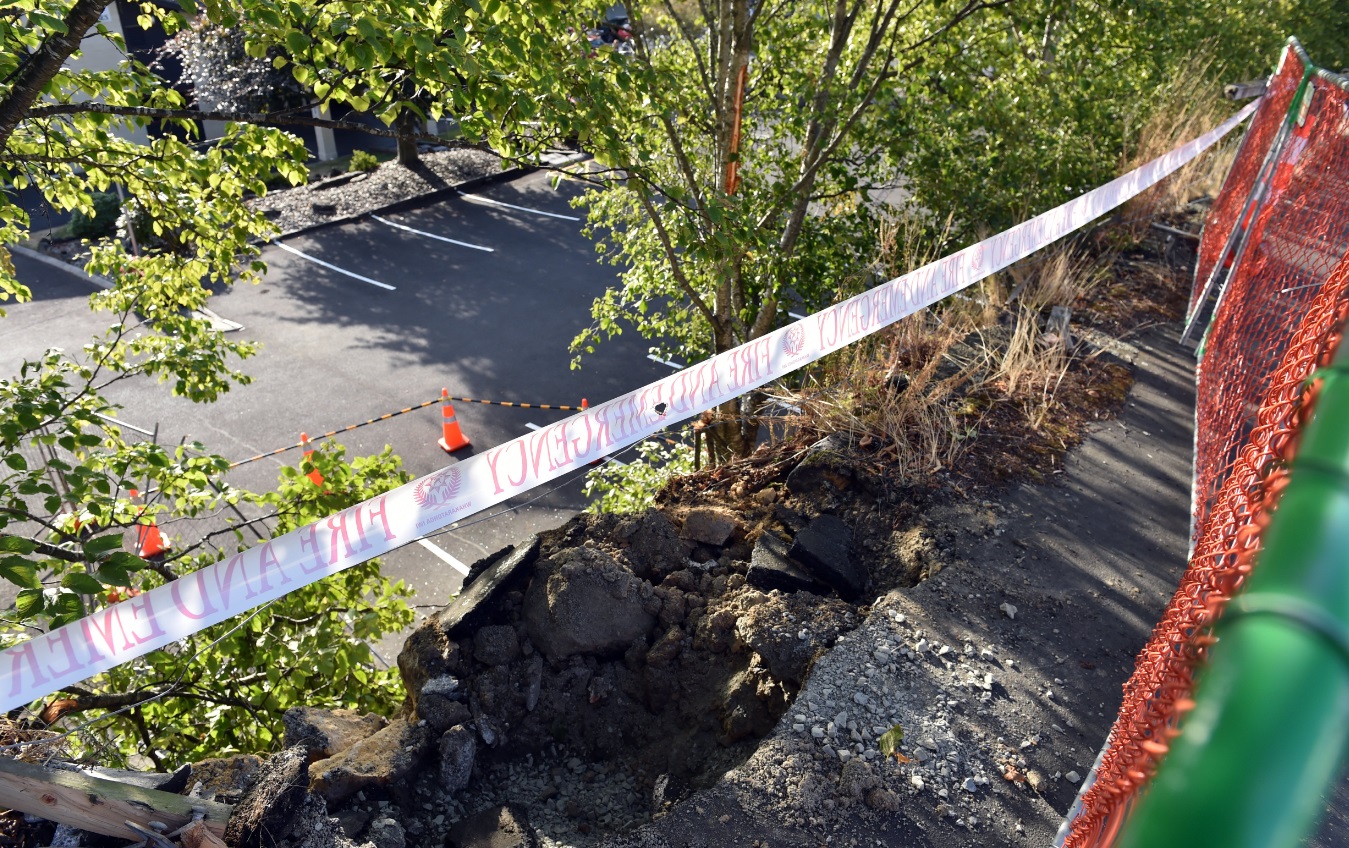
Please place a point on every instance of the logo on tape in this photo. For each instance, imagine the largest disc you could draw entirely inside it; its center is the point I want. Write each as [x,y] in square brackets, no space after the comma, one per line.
[438,489]
[794,341]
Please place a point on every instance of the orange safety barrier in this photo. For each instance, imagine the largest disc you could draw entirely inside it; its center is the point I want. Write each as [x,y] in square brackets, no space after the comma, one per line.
[315,476]
[1280,317]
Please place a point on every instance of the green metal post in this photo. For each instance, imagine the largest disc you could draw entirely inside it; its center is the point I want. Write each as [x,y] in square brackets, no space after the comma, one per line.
[1270,728]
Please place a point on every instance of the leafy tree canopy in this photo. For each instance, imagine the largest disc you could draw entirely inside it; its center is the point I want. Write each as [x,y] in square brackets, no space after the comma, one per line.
[746,144]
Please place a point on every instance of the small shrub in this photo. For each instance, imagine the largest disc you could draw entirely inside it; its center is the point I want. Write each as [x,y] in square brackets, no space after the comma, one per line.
[362,160]
[629,488]
[103,223]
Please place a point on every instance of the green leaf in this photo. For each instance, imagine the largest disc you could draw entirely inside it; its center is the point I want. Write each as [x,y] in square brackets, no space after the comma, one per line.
[20,572]
[100,545]
[29,603]
[65,608]
[48,22]
[17,545]
[297,41]
[124,560]
[16,461]
[890,741]
[82,582]
[113,574]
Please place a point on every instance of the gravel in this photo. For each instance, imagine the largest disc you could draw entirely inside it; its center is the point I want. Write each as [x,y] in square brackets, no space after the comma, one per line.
[299,208]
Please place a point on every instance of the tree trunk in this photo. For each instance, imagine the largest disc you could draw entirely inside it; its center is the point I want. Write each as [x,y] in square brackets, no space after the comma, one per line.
[408,125]
[38,68]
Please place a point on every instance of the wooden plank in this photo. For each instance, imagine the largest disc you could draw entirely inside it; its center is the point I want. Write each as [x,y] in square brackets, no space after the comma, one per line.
[98,805]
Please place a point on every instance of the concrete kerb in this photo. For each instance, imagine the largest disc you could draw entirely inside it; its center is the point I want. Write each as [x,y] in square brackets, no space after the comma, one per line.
[75,270]
[421,200]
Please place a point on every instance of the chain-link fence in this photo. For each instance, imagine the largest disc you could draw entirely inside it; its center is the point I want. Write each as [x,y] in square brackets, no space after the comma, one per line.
[1273,273]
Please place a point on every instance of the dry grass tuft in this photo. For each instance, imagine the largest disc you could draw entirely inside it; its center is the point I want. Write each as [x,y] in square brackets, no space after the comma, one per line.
[1188,106]
[21,742]
[886,395]
[914,394]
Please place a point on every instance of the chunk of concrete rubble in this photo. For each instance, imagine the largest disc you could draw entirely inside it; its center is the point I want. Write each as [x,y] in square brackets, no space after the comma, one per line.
[441,703]
[385,761]
[771,568]
[584,602]
[265,813]
[652,545]
[495,644]
[327,733]
[458,747]
[883,800]
[709,525]
[226,779]
[824,470]
[667,791]
[428,653]
[496,827]
[386,833]
[788,631]
[464,611]
[824,547]
[312,827]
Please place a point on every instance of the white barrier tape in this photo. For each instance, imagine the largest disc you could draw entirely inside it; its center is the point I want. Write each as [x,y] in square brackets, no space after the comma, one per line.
[134,627]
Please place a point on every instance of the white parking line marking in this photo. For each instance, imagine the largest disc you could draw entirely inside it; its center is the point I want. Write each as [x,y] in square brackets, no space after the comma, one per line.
[432,235]
[480,198]
[675,365]
[445,557]
[797,317]
[611,459]
[332,267]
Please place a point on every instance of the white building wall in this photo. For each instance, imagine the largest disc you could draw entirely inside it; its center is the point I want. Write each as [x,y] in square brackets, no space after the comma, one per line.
[97,53]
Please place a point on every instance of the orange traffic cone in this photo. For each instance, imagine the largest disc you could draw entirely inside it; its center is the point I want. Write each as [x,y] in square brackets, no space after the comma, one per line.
[453,438]
[149,541]
[314,476]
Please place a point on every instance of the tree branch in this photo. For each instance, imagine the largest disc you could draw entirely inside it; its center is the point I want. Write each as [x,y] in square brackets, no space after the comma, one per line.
[284,118]
[49,550]
[672,256]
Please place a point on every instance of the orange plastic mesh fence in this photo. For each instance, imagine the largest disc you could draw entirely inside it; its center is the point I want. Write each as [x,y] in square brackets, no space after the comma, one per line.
[1300,232]
[1158,693]
[1280,317]
[1227,206]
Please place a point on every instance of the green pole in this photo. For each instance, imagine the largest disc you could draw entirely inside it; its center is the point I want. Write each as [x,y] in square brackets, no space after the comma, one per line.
[1269,730]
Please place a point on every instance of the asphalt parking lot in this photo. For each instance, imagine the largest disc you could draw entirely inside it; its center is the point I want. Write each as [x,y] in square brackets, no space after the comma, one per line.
[393,314]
